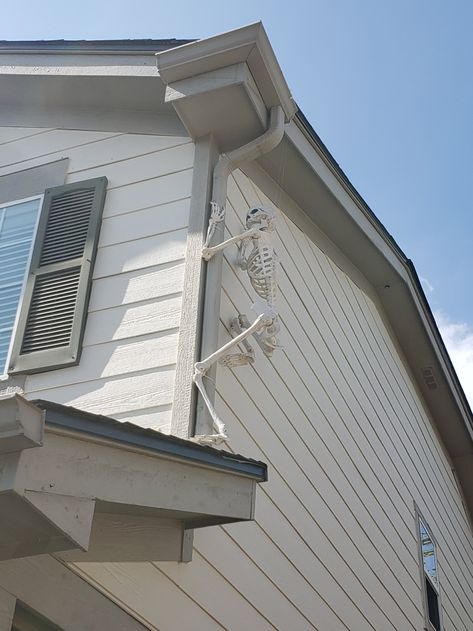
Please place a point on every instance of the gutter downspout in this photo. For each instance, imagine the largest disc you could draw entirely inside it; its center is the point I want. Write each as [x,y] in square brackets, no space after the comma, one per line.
[226,164]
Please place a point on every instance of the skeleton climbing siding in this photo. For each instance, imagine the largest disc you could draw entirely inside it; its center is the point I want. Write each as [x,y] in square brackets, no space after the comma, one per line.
[260,265]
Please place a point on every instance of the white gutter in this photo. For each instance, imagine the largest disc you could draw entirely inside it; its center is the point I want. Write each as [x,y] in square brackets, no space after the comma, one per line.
[226,164]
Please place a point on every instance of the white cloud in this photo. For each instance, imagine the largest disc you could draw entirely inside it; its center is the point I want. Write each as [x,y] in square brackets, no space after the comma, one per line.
[458,338]
[428,287]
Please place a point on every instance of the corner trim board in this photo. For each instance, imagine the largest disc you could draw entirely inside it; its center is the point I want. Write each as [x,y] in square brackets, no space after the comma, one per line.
[188,349]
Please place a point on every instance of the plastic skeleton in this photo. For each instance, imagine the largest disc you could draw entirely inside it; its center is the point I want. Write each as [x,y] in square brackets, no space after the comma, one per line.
[260,264]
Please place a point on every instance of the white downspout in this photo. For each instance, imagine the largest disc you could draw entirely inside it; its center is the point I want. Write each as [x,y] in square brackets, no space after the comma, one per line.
[213,282]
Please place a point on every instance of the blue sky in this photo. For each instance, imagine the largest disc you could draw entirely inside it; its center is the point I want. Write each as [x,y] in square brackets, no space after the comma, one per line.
[388,86]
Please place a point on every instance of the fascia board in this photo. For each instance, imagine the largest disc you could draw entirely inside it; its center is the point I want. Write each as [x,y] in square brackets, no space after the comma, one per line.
[326,172]
[387,251]
[21,424]
[439,348]
[62,420]
[324,195]
[114,476]
[98,47]
[84,464]
[84,64]
[248,44]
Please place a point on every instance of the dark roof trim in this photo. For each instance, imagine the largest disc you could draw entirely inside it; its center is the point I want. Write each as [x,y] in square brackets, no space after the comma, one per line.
[65,417]
[351,189]
[398,251]
[438,336]
[125,46]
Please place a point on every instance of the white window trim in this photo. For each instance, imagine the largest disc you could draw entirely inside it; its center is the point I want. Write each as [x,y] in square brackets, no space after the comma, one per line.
[5,375]
[423,574]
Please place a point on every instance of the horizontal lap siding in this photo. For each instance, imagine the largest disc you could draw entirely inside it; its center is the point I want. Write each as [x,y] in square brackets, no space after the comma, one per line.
[349,442]
[130,344]
[334,413]
[349,446]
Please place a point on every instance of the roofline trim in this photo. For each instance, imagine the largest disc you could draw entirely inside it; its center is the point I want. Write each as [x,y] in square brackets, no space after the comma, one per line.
[411,276]
[105,428]
[100,47]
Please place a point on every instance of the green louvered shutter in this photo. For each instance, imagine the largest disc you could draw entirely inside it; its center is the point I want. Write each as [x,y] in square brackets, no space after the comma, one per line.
[53,312]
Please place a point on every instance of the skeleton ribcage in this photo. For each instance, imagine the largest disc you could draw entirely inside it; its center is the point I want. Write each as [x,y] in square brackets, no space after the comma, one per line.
[261,268]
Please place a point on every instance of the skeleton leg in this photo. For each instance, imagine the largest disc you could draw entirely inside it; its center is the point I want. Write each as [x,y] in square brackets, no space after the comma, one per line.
[267,339]
[201,368]
[232,360]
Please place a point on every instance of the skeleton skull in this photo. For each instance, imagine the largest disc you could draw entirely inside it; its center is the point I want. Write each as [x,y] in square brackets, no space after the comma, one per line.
[261,217]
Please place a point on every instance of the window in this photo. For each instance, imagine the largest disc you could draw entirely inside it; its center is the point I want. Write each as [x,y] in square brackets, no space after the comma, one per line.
[42,317]
[430,580]
[18,222]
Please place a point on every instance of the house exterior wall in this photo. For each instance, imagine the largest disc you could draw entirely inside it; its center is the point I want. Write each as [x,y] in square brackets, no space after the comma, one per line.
[334,413]
[129,352]
[350,448]
[337,414]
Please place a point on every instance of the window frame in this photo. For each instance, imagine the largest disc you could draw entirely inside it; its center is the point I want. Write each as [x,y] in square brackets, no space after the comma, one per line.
[419,518]
[4,376]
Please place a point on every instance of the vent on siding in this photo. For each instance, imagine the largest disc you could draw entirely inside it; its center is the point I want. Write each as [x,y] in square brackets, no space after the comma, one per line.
[68,225]
[51,313]
[429,378]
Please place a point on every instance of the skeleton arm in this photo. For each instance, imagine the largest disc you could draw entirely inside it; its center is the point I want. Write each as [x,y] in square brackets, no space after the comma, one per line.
[252,233]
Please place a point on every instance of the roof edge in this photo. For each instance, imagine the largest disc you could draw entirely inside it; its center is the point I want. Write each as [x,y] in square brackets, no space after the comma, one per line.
[99,46]
[64,417]
[248,44]
[401,256]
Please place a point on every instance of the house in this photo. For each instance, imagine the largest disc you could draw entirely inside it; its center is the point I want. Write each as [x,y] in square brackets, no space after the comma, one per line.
[125,167]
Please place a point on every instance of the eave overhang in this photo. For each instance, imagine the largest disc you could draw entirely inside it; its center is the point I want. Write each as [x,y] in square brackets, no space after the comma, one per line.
[92,489]
[250,45]
[236,73]
[98,46]
[86,85]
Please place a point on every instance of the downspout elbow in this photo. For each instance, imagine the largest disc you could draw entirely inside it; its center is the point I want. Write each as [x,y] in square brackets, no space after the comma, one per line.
[228,162]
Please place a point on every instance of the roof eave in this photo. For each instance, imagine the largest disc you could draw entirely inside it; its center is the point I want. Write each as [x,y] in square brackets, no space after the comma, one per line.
[104,47]
[407,263]
[92,489]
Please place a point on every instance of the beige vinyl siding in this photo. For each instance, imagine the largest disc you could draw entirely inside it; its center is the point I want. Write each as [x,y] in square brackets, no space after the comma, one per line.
[129,352]
[350,447]
[336,343]
[335,414]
